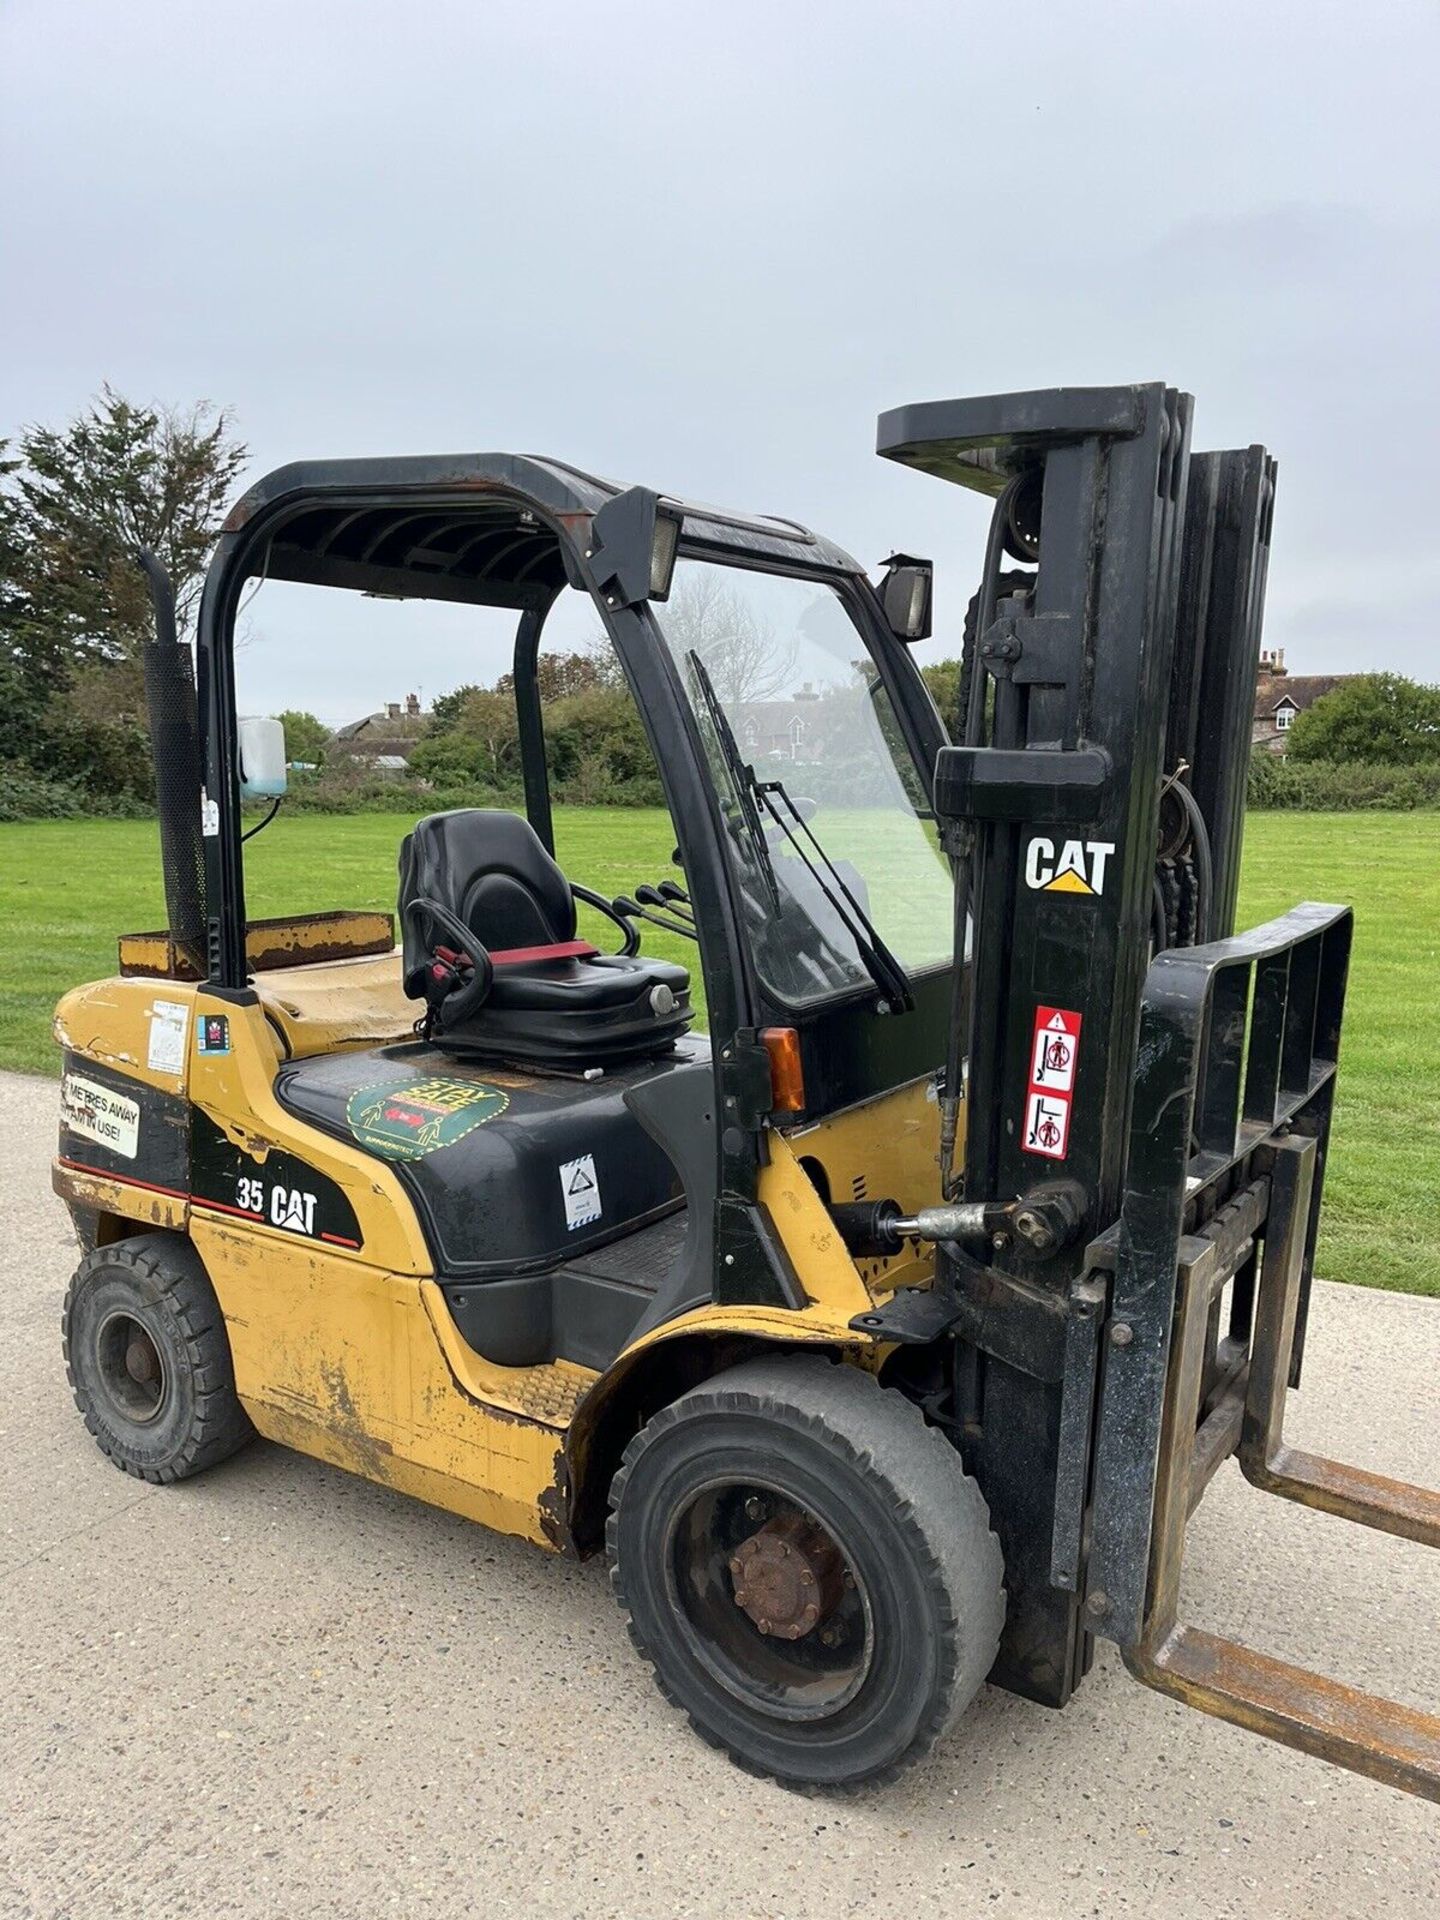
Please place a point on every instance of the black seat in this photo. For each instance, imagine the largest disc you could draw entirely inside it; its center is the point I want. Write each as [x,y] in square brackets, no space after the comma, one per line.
[488,923]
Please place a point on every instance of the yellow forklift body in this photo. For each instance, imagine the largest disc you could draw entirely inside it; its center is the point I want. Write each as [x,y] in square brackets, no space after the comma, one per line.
[352,1356]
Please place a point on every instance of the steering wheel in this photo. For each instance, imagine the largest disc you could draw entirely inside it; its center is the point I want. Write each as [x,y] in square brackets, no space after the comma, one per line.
[459,1002]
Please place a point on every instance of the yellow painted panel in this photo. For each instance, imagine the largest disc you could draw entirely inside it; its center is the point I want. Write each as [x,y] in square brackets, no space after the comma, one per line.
[817,1253]
[341,1360]
[887,1148]
[110,1021]
[310,1329]
[468,1492]
[236,1090]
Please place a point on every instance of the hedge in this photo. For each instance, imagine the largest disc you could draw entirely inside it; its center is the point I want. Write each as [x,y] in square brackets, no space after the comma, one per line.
[1318,786]
[27,795]
[1274,784]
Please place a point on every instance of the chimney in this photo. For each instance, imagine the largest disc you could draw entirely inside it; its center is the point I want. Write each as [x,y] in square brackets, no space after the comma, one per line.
[412,705]
[392,709]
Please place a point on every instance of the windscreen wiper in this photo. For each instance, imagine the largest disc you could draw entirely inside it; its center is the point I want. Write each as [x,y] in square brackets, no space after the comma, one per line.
[879,962]
[742,778]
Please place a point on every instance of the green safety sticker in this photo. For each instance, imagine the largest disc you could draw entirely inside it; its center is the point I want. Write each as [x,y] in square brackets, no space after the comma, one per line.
[407,1122]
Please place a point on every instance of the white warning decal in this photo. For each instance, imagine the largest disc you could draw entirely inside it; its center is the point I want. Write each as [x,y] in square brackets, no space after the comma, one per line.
[169,1025]
[1054,1056]
[581,1187]
[111,1119]
[1047,1126]
[1052,1059]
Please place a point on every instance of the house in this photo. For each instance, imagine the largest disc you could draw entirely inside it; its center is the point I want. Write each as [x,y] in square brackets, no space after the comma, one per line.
[777,729]
[384,740]
[1280,695]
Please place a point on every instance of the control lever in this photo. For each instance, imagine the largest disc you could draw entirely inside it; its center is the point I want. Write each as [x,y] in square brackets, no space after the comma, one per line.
[655,897]
[632,910]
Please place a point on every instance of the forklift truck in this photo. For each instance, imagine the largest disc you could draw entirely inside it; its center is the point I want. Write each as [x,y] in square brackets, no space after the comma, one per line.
[887,1337]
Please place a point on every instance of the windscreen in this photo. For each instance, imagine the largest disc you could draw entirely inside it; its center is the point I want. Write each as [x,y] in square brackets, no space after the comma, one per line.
[826,817]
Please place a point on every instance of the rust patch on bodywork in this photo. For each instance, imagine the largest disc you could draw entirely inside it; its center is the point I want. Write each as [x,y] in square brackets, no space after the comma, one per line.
[553,1508]
[96,1194]
[297,939]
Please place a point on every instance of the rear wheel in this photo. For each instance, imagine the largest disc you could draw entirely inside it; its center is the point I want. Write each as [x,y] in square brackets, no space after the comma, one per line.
[148,1359]
[809,1570]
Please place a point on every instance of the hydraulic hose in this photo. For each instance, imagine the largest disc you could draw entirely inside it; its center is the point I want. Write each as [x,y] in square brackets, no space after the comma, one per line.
[1204,865]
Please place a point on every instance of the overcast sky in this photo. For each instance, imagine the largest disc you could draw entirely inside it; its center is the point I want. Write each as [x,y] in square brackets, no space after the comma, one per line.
[703,247]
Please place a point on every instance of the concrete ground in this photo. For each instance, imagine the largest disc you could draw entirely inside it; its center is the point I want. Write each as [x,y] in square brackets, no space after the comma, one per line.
[276,1690]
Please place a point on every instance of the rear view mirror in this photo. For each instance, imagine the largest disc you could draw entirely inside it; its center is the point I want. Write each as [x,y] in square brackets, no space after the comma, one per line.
[262,759]
[906,593]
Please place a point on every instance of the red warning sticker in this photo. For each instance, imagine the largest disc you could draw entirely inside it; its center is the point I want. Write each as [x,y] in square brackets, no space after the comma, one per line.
[1054,1056]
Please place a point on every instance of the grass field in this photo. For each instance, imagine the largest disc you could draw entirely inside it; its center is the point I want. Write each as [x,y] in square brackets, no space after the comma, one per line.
[66,890]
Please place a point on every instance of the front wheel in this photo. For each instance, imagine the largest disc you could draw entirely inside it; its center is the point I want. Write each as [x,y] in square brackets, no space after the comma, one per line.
[809,1570]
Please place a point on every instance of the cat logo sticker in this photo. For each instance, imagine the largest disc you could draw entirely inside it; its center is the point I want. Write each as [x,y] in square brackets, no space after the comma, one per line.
[1074,866]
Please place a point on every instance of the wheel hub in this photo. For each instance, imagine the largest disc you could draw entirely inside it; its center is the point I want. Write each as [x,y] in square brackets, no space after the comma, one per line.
[142,1363]
[789,1576]
[131,1367]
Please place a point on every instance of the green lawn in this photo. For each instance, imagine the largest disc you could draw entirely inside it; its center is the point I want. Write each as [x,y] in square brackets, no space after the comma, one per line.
[66,890]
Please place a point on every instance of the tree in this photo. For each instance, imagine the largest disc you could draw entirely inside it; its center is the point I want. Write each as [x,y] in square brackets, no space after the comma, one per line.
[447,710]
[74,610]
[1379,719]
[942,677]
[597,749]
[305,736]
[116,478]
[26,676]
[473,733]
[741,654]
[561,675]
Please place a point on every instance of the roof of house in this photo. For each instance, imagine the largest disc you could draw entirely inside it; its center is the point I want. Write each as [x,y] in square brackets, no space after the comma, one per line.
[394,728]
[1299,690]
[774,716]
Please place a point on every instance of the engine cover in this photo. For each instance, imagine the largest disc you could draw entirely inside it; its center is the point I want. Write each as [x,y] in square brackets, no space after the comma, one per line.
[510,1172]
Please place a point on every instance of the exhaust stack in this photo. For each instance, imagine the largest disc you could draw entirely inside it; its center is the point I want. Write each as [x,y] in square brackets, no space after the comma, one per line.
[175,748]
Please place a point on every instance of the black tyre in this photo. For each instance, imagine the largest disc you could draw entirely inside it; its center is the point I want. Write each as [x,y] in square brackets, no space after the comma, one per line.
[148,1360]
[809,1570]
